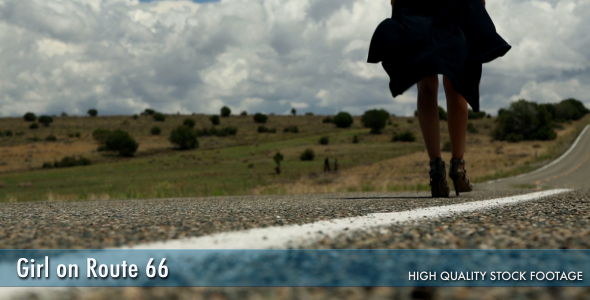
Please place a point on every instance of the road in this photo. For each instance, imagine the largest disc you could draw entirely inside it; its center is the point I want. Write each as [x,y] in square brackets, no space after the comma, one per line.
[558,220]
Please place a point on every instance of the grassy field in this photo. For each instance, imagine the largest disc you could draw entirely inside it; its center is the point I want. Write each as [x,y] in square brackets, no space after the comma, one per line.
[241,164]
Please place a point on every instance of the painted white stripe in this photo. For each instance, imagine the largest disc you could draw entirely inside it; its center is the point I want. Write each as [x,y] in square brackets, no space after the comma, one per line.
[282,236]
[551,163]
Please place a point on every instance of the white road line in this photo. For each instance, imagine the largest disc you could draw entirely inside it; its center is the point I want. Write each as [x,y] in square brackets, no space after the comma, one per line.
[281,237]
[551,163]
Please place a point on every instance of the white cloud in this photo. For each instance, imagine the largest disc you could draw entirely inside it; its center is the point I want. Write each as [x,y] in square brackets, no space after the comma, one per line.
[121,56]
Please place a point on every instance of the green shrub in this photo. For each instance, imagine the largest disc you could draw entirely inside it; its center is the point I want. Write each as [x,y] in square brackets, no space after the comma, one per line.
[100,135]
[30,117]
[77,134]
[34,126]
[404,137]
[292,129]
[471,128]
[324,140]
[214,120]
[375,119]
[149,112]
[135,117]
[156,130]
[244,113]
[213,131]
[293,112]
[45,120]
[225,112]
[447,147]
[309,114]
[8,133]
[343,120]
[50,138]
[92,112]
[264,129]
[68,162]
[121,142]
[307,155]
[159,117]
[189,123]
[327,120]
[184,137]
[471,115]
[355,139]
[566,110]
[260,118]
[442,114]
[410,121]
[524,120]
[34,139]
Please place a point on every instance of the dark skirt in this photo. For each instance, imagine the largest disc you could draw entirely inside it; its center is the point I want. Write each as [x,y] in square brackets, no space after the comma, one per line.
[429,37]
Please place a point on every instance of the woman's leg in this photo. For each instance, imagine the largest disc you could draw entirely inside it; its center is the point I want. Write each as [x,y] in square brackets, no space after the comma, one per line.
[428,114]
[457,112]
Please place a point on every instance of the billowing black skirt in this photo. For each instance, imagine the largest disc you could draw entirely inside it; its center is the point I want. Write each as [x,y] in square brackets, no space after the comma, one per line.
[429,37]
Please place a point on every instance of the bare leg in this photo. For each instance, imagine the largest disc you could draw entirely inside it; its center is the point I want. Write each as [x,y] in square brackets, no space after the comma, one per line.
[457,115]
[428,114]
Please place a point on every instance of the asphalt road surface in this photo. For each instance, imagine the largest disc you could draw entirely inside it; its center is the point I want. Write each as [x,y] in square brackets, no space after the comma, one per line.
[557,221]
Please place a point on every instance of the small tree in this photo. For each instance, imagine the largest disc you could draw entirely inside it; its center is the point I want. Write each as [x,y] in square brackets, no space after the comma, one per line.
[324,140]
[404,137]
[92,112]
[159,117]
[225,112]
[30,117]
[355,139]
[260,118]
[307,155]
[442,114]
[100,135]
[45,120]
[155,130]
[189,123]
[184,137]
[343,120]
[244,113]
[148,111]
[293,111]
[121,142]
[278,158]
[34,126]
[327,120]
[214,120]
[376,119]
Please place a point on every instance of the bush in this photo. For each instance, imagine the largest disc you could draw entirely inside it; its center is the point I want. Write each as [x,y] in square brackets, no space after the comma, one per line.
[292,129]
[8,133]
[34,126]
[156,130]
[213,131]
[376,119]
[214,120]
[149,112]
[293,112]
[159,117]
[121,142]
[447,147]
[471,128]
[260,118]
[404,137]
[189,123]
[471,115]
[100,135]
[327,120]
[355,139]
[442,114]
[524,120]
[92,112]
[566,110]
[264,129]
[30,117]
[244,113]
[225,112]
[343,120]
[184,137]
[67,162]
[51,138]
[135,117]
[45,120]
[324,140]
[309,114]
[307,155]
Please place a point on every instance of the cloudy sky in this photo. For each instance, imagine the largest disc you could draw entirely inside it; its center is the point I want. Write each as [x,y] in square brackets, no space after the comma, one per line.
[122,56]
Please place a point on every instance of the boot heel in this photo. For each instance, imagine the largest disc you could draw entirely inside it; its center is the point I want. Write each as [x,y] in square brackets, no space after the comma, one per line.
[438,179]
[454,179]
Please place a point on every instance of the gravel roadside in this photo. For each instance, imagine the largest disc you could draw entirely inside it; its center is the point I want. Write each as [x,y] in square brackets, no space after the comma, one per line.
[109,224]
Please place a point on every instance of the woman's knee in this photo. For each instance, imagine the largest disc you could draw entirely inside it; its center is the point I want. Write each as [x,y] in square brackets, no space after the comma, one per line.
[428,84]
